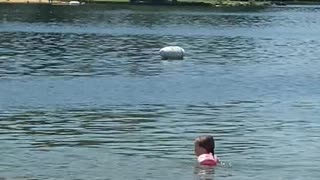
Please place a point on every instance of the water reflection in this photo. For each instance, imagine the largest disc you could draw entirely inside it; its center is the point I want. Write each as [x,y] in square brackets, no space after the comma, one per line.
[108,16]
[153,131]
[38,54]
[204,173]
[130,16]
[67,54]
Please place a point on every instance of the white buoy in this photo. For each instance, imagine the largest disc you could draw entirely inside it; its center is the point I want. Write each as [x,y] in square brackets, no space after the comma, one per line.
[172,52]
[74,3]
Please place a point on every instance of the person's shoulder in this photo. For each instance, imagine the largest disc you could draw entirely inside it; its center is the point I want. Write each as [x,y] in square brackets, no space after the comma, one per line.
[208,160]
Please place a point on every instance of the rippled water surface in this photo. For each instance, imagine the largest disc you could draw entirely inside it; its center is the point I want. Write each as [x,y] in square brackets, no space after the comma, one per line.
[85,95]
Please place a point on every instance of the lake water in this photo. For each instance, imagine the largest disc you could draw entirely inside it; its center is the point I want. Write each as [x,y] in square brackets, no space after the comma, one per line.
[85,95]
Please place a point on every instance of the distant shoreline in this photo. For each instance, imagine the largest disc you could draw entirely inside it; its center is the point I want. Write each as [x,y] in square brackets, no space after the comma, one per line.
[179,3]
[302,2]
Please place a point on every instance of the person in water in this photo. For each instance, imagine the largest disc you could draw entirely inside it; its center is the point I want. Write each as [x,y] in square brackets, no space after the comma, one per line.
[204,150]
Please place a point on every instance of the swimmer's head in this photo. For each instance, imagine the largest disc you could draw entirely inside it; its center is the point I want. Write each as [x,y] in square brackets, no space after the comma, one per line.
[204,145]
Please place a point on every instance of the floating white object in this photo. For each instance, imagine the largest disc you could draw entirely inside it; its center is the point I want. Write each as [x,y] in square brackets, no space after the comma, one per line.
[172,52]
[74,3]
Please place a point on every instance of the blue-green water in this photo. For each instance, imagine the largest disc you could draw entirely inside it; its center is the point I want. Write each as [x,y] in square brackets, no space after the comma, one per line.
[84,94]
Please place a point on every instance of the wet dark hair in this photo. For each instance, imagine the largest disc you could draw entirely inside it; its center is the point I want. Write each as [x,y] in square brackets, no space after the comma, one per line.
[206,142]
